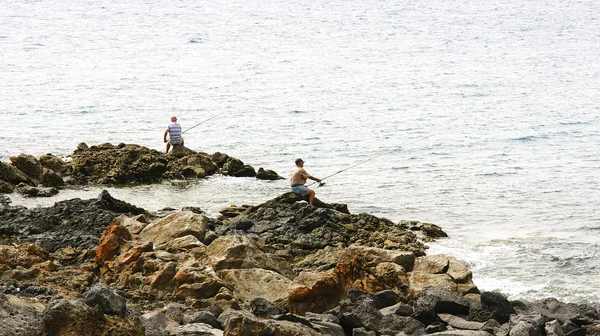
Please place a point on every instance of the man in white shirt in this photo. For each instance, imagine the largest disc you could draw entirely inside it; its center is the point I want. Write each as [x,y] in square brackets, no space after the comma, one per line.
[174,132]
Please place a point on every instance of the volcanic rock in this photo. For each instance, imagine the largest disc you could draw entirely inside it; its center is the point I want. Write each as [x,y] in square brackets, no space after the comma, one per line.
[29,165]
[77,223]
[298,229]
[267,174]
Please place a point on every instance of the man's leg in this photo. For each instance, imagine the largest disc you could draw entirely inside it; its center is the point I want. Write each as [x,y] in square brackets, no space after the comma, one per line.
[311,196]
[168,146]
[182,142]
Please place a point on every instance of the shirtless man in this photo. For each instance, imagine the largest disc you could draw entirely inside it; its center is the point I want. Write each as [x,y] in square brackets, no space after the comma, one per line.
[298,181]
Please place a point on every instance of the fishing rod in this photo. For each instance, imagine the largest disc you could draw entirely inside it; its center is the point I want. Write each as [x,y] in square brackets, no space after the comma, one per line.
[358,164]
[216,115]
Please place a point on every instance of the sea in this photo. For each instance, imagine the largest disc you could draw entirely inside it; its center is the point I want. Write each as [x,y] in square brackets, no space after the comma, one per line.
[479,116]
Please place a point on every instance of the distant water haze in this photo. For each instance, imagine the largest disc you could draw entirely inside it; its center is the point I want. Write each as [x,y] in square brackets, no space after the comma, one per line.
[494,103]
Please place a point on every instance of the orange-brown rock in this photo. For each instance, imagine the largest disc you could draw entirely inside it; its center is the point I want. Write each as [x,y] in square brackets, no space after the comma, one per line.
[113,240]
[315,292]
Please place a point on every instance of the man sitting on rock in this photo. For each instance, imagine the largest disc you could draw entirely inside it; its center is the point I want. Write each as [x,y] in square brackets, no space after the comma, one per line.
[174,131]
[298,180]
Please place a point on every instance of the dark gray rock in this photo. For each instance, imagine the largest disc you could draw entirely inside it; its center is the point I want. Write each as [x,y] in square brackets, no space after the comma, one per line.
[267,174]
[433,300]
[263,308]
[363,313]
[235,167]
[205,317]
[355,295]
[400,308]
[284,224]
[328,328]
[578,314]
[51,179]
[108,300]
[498,305]
[528,323]
[76,223]
[385,298]
[393,324]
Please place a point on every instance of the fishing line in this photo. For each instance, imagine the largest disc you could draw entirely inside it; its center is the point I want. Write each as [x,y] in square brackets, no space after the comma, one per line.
[358,164]
[198,124]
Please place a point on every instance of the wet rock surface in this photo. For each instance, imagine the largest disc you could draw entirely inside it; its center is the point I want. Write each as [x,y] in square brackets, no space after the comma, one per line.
[120,164]
[106,267]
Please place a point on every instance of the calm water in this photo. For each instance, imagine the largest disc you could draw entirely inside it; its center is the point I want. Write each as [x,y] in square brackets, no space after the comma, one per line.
[494,103]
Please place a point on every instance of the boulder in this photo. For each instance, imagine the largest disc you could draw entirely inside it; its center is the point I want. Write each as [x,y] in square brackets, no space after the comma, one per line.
[497,305]
[195,329]
[385,298]
[54,164]
[19,316]
[107,299]
[12,175]
[6,188]
[240,252]
[28,164]
[523,328]
[393,324]
[460,323]
[29,191]
[236,322]
[113,240]
[263,308]
[363,313]
[315,292]
[180,244]
[435,300]
[156,323]
[578,314]
[51,179]
[267,174]
[419,280]
[265,284]
[433,231]
[205,317]
[400,309]
[75,318]
[235,167]
[174,226]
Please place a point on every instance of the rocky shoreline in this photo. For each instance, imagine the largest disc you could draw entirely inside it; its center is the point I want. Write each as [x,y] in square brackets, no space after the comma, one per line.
[121,164]
[106,267]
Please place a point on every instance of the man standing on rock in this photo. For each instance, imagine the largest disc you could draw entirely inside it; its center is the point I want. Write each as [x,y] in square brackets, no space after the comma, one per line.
[298,180]
[174,131]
